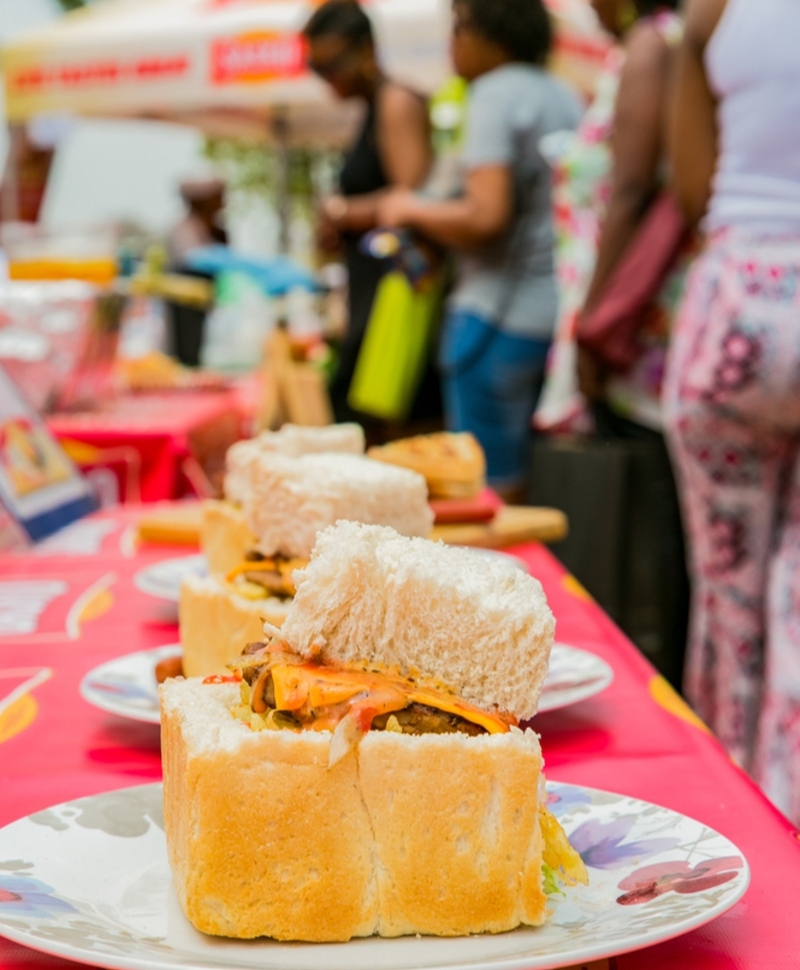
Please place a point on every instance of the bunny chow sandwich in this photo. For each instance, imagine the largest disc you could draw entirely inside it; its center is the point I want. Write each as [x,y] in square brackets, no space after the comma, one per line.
[225,535]
[362,771]
[288,501]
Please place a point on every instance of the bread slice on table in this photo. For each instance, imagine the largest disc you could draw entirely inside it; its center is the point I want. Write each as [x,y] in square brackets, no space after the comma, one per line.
[216,623]
[454,465]
[264,839]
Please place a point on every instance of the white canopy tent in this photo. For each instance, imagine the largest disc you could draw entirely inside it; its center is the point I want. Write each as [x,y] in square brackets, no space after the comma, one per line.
[236,67]
[228,65]
[232,65]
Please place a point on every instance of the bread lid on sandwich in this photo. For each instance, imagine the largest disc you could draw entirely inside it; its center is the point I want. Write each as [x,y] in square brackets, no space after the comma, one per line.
[454,465]
[291,500]
[478,625]
[292,440]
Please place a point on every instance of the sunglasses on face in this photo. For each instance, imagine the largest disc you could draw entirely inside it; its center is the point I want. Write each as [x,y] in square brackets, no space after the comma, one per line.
[333,67]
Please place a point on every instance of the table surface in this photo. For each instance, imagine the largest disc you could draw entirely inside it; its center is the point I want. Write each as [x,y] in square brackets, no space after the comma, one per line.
[146,415]
[166,429]
[78,607]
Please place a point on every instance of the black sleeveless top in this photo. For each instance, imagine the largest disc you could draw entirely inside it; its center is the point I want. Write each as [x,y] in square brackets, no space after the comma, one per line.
[361,173]
[362,170]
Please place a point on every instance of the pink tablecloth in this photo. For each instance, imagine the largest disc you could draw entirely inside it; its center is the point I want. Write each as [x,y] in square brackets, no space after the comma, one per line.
[636,738]
[160,446]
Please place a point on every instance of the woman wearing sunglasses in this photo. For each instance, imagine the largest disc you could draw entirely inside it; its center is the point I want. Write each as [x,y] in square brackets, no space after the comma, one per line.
[393,149]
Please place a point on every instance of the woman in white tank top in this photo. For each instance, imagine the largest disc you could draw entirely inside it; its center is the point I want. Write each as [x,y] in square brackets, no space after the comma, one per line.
[732,394]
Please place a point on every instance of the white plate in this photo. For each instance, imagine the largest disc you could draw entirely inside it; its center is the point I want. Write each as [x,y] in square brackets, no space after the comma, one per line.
[127,685]
[573,675]
[163,579]
[89,880]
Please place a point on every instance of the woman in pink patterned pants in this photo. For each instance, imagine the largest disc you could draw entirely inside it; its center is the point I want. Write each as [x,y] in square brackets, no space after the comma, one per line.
[732,407]
[732,392]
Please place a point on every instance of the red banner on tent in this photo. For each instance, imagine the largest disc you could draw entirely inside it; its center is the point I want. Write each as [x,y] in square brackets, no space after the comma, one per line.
[258,56]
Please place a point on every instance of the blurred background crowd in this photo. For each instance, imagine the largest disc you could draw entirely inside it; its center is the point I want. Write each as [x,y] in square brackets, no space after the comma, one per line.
[571,228]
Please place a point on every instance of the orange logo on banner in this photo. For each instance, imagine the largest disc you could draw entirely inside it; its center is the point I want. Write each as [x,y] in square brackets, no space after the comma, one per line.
[260,56]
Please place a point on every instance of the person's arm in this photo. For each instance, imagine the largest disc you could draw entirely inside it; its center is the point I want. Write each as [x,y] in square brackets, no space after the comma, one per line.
[693,117]
[485,209]
[404,144]
[404,137]
[483,213]
[637,147]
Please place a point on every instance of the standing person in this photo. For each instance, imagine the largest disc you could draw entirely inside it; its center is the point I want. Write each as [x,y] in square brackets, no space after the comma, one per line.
[393,148]
[503,308]
[732,395]
[611,172]
[200,226]
[635,134]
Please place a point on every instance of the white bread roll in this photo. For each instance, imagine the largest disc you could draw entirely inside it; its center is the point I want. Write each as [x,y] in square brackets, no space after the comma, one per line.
[479,625]
[265,840]
[216,624]
[225,537]
[292,440]
[292,499]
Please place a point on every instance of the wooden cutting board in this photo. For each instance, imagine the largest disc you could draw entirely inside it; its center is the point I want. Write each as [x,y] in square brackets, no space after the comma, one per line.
[180,525]
[512,524]
[177,524]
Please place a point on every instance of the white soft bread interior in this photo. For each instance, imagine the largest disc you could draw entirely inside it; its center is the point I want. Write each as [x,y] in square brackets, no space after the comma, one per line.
[225,537]
[293,441]
[216,623]
[292,499]
[477,624]
[265,840]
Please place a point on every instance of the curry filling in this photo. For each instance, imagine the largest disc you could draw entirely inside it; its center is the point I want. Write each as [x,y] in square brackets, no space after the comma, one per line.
[281,691]
[259,576]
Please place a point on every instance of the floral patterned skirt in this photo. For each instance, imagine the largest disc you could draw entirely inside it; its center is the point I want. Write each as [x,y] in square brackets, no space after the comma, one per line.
[732,411]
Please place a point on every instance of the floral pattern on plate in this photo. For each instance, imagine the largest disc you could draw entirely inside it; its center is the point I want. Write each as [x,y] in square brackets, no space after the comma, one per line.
[127,685]
[89,880]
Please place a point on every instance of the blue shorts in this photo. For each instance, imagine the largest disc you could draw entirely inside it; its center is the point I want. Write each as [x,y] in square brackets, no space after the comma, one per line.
[491,383]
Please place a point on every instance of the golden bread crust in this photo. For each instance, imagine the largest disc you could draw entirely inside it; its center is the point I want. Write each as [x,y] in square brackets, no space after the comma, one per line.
[225,537]
[460,850]
[265,840]
[216,624]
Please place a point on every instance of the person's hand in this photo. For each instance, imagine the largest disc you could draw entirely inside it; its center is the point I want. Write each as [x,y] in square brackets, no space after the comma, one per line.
[592,376]
[328,235]
[395,208]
